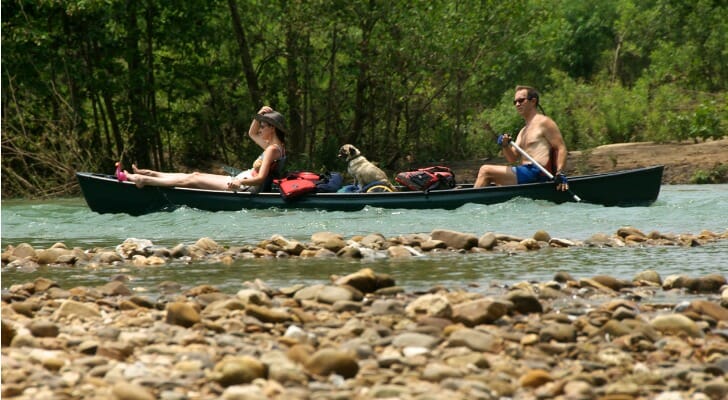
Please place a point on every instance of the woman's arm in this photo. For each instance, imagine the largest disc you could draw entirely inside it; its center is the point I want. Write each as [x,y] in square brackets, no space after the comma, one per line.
[270,154]
[255,124]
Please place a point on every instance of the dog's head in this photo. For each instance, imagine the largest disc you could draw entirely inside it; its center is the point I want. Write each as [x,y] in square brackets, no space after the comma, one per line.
[348,152]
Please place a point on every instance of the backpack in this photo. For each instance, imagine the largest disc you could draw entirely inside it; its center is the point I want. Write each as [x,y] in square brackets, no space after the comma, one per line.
[298,183]
[428,178]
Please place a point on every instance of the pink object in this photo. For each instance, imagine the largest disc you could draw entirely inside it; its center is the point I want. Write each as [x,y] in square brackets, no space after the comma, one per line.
[120,175]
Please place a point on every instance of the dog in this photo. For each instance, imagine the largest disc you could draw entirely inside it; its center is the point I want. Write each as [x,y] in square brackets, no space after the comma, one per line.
[363,171]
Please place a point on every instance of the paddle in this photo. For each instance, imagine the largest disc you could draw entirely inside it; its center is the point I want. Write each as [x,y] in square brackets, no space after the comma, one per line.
[544,170]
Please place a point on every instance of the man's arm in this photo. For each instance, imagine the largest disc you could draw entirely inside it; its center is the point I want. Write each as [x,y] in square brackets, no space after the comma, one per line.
[556,141]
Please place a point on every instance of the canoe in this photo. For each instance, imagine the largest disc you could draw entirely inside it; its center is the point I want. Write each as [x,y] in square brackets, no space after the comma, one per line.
[634,187]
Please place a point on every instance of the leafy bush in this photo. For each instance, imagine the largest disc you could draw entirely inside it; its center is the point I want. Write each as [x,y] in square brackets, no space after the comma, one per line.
[717,174]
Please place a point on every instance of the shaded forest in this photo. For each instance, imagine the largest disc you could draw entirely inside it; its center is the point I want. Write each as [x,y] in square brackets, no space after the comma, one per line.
[173,85]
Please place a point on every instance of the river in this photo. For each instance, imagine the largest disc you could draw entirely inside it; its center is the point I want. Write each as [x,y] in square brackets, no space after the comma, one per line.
[679,209]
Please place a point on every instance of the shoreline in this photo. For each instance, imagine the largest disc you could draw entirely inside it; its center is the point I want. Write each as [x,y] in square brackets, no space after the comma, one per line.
[326,245]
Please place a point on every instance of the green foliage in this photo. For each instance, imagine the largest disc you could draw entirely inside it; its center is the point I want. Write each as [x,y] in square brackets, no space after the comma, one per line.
[717,174]
[173,84]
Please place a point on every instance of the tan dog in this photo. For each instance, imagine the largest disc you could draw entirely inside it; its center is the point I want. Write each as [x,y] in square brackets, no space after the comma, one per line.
[363,171]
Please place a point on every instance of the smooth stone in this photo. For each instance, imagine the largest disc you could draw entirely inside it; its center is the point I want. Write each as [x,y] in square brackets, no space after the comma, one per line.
[651,276]
[535,378]
[713,310]
[131,391]
[414,339]
[331,294]
[488,241]
[560,332]
[475,340]
[482,311]
[541,236]
[524,302]
[429,305]
[436,372]
[676,323]
[237,370]
[265,314]
[43,328]
[454,239]
[72,308]
[182,314]
[330,361]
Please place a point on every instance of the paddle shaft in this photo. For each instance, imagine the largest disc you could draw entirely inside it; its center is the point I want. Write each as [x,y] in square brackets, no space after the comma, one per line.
[544,170]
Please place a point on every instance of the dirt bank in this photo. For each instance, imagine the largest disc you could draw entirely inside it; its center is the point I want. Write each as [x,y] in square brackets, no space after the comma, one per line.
[681,160]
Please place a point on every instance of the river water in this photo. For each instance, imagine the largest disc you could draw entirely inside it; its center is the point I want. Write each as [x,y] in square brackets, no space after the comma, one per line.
[679,209]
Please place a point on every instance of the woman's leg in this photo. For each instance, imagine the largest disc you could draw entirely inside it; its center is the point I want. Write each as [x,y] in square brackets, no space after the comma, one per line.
[194,180]
[150,172]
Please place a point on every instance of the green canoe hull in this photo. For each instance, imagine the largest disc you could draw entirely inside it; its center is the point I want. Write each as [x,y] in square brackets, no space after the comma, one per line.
[105,194]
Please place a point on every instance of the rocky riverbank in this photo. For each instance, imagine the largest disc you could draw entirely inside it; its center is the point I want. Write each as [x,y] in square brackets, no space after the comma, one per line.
[142,252]
[361,336]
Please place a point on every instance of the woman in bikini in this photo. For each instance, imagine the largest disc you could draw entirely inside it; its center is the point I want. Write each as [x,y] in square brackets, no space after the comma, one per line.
[268,130]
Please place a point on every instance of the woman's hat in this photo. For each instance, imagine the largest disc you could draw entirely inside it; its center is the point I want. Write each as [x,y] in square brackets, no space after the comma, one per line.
[274,118]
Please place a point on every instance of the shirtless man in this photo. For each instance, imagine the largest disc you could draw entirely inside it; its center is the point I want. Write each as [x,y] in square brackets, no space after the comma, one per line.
[537,138]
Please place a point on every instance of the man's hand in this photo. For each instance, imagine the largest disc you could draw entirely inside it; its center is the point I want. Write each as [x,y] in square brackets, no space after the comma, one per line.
[562,183]
[504,140]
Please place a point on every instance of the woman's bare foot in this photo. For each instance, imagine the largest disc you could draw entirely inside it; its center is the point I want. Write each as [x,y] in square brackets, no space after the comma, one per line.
[138,179]
[141,171]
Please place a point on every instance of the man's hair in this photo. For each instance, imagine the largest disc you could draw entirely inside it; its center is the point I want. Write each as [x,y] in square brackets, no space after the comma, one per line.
[532,92]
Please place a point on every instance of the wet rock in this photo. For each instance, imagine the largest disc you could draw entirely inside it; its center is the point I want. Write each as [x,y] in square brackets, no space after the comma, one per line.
[23,250]
[364,280]
[650,276]
[208,246]
[182,314]
[541,236]
[399,252]
[563,277]
[456,240]
[488,241]
[43,284]
[328,240]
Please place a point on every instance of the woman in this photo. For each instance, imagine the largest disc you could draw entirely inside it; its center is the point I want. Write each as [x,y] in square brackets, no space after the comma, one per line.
[268,130]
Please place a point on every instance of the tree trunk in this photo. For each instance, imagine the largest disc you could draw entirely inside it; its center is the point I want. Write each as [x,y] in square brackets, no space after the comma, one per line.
[250,77]
[296,142]
[137,128]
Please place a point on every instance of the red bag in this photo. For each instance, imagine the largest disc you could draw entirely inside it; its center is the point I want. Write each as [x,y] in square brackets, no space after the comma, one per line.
[297,184]
[426,179]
